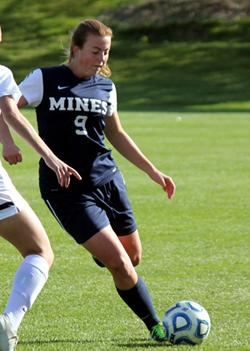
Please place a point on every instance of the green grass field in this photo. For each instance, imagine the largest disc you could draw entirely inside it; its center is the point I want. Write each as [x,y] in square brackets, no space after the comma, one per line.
[195,247]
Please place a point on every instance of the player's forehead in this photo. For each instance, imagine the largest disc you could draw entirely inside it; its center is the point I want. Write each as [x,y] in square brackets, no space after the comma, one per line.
[98,41]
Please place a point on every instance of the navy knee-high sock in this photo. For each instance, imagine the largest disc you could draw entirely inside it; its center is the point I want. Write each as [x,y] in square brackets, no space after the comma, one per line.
[140,302]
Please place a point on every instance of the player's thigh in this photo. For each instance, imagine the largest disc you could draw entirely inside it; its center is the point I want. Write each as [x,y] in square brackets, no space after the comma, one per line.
[25,231]
[106,246]
[132,245]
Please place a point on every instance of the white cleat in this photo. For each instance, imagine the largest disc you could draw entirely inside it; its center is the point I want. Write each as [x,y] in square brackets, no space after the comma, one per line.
[8,337]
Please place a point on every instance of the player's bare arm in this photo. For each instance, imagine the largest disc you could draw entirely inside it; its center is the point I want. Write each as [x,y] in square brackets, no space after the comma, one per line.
[19,123]
[10,151]
[127,148]
[22,102]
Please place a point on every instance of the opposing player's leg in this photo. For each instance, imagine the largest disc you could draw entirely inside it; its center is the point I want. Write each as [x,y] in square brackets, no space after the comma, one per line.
[106,246]
[8,337]
[24,231]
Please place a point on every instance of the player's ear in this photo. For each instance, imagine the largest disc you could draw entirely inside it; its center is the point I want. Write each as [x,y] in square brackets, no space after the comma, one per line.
[75,50]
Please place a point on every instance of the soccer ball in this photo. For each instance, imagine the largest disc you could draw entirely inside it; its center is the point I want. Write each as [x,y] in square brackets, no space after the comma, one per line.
[186,322]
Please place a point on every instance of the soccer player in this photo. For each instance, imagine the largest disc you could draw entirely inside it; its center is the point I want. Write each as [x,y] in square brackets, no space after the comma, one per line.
[18,223]
[76,107]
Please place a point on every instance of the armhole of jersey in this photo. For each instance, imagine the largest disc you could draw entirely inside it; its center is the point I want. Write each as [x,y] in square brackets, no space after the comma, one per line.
[112,101]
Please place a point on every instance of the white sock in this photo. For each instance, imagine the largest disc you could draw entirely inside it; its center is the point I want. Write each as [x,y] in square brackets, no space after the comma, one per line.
[28,282]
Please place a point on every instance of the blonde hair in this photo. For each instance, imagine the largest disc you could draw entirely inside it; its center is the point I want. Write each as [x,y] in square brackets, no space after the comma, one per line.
[80,34]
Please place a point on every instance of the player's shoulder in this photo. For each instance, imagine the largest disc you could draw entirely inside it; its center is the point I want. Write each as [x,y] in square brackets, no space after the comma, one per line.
[104,82]
[52,69]
[56,73]
[101,79]
[6,77]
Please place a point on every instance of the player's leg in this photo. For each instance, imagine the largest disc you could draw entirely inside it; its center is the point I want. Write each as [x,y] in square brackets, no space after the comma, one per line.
[121,217]
[87,222]
[132,245]
[24,231]
[108,249]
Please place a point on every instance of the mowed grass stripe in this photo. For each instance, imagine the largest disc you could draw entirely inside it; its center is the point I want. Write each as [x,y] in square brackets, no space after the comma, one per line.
[195,246]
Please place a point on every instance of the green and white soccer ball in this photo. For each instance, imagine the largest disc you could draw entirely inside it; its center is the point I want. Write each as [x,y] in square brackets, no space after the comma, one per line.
[186,322]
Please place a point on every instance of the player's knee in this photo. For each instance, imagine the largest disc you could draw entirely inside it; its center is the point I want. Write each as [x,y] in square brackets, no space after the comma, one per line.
[136,259]
[120,265]
[48,255]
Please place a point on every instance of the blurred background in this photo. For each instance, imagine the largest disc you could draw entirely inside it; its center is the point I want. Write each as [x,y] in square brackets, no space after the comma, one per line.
[166,54]
[182,71]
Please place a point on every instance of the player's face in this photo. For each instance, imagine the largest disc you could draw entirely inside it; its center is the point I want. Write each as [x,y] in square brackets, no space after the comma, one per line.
[0,34]
[93,55]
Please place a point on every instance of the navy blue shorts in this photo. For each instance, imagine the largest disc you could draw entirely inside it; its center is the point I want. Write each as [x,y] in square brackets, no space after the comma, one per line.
[83,215]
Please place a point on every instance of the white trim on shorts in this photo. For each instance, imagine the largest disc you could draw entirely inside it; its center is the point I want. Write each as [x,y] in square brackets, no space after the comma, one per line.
[9,195]
[8,212]
[54,214]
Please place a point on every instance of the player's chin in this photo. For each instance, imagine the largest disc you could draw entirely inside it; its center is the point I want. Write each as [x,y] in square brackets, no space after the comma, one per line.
[97,69]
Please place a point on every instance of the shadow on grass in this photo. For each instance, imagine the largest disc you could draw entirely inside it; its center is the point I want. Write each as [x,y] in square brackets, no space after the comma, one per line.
[163,76]
[174,77]
[56,341]
[144,345]
[133,343]
[189,110]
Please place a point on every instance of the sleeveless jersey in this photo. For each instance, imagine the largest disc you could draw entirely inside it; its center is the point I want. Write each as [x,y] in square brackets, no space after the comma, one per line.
[71,116]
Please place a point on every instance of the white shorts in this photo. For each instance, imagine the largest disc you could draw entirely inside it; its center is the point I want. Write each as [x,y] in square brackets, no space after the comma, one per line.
[11,202]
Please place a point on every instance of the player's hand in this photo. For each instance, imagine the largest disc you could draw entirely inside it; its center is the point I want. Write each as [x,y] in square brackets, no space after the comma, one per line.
[169,186]
[12,154]
[165,181]
[62,170]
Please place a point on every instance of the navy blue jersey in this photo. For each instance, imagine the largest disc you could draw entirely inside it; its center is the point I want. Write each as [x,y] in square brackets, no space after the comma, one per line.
[71,116]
